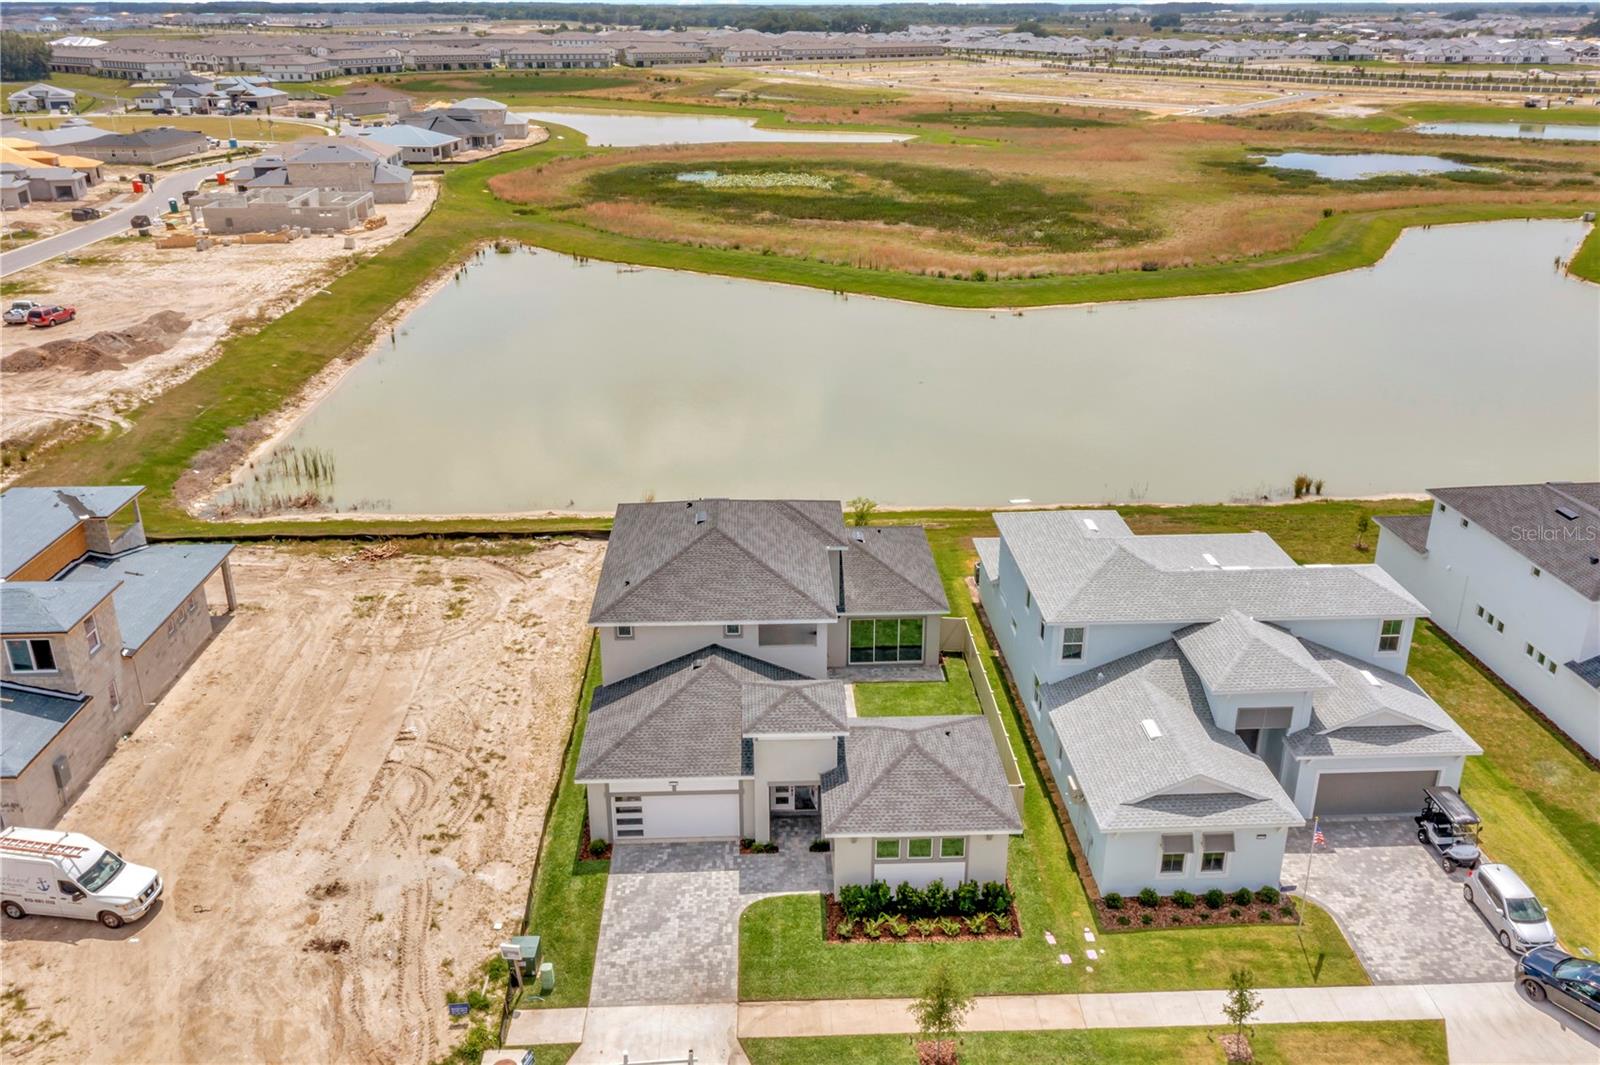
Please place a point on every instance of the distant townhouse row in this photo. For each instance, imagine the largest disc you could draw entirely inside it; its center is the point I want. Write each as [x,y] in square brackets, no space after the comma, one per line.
[97,625]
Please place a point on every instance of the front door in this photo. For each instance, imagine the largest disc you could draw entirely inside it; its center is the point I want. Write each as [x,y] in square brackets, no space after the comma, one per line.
[794,798]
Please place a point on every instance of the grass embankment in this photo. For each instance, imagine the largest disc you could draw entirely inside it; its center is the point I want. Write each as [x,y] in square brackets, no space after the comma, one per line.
[1004,119]
[1390,1042]
[782,954]
[568,893]
[914,698]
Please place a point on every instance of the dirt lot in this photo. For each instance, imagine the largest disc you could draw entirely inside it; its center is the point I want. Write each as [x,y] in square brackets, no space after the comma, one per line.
[343,794]
[219,290]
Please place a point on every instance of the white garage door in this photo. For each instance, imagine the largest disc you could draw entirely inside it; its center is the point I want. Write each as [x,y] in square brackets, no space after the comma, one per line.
[1372,793]
[681,815]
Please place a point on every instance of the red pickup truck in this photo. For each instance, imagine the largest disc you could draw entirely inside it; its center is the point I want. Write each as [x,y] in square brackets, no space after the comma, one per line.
[45,317]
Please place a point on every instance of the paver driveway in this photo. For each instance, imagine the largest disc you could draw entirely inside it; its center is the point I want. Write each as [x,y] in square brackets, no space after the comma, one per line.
[670,929]
[1403,914]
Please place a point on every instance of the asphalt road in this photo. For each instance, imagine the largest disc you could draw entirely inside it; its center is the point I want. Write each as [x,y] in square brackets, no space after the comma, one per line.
[153,203]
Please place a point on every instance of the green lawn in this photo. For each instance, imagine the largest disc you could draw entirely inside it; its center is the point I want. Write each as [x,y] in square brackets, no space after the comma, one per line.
[1388,1042]
[568,893]
[912,698]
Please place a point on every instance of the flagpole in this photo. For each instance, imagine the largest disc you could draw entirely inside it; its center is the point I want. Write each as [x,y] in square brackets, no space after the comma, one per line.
[1310,852]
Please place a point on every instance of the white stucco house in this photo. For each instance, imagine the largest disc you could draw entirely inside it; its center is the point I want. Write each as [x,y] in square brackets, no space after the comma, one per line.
[719,620]
[1512,572]
[1196,697]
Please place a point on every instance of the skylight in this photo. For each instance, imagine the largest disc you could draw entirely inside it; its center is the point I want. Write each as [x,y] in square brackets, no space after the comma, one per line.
[1568,513]
[1211,560]
[1089,523]
[1374,681]
[1151,729]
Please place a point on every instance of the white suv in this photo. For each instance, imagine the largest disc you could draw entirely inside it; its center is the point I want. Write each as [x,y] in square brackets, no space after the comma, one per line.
[1509,907]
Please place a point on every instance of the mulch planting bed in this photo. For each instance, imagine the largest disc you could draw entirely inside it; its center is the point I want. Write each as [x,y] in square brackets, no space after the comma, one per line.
[836,915]
[1168,914]
[583,847]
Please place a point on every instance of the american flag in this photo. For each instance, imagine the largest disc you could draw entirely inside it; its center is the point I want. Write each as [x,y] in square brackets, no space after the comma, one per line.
[1318,840]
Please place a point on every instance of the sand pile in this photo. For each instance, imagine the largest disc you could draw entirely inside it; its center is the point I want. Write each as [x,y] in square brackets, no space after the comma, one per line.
[111,349]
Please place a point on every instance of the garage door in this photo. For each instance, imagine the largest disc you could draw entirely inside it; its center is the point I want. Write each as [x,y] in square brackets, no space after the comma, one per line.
[680,815]
[1372,793]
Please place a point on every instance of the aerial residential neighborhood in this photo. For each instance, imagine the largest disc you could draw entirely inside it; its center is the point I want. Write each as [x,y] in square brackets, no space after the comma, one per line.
[799,533]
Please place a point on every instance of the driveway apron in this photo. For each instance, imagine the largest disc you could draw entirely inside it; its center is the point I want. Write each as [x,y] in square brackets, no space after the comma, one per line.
[1404,915]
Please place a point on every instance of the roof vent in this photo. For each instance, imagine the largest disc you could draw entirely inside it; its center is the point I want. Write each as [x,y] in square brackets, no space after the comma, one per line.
[1211,560]
[1374,681]
[1151,729]
[699,517]
[858,536]
[1568,513]
[1089,523]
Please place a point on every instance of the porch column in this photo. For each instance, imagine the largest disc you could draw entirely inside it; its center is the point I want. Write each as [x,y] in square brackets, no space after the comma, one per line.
[227,585]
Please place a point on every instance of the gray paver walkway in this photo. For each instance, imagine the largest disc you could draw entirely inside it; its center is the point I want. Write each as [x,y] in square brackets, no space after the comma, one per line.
[670,929]
[1403,914]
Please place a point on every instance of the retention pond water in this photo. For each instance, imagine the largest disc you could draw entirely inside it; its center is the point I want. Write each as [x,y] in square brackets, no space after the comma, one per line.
[633,130]
[1519,130]
[535,381]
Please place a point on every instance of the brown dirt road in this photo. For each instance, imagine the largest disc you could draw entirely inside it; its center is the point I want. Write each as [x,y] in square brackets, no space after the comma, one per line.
[364,753]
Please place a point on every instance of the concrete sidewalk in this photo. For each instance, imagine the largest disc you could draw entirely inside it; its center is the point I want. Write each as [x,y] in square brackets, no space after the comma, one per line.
[1486,1024]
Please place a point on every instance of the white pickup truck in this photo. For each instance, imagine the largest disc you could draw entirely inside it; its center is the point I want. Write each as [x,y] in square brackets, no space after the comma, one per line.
[17,313]
[67,874]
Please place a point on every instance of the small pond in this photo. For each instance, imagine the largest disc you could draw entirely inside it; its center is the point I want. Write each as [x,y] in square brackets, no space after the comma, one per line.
[1519,130]
[1356,166]
[533,381]
[639,129]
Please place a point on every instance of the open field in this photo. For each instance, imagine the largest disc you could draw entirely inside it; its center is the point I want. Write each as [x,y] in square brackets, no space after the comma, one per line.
[94,387]
[1392,1042]
[380,740]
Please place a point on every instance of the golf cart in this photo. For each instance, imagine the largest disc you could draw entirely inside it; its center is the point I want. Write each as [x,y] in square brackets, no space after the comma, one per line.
[1450,826]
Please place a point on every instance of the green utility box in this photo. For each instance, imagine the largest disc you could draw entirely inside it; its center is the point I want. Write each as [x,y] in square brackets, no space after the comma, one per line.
[532,956]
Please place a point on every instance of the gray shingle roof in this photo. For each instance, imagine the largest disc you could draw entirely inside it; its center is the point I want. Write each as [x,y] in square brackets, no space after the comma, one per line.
[1411,529]
[1588,670]
[1238,655]
[744,560]
[918,774]
[155,581]
[29,720]
[1359,707]
[988,549]
[48,606]
[1133,781]
[794,707]
[31,519]
[683,718]
[1110,576]
[1526,518]
[157,137]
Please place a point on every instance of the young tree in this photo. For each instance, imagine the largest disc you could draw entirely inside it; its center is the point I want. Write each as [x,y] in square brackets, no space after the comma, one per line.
[1241,1004]
[1363,526]
[942,1008]
[861,509]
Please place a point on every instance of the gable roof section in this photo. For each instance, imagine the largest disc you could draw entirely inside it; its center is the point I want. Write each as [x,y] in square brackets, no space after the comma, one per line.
[31,519]
[29,719]
[1109,575]
[1238,655]
[1528,519]
[28,607]
[1386,714]
[918,774]
[683,718]
[801,707]
[718,560]
[890,570]
[1410,529]
[1190,775]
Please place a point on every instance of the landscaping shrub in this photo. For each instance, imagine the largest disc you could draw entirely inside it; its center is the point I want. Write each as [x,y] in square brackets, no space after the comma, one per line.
[1287,909]
[996,898]
[1235,913]
[873,927]
[1002,921]
[877,897]
[1113,900]
[1266,915]
[1242,897]
[846,928]
[936,899]
[899,928]
[1184,900]
[853,901]
[1268,895]
[950,926]
[746,843]
[909,900]
[977,923]
[1145,918]
[966,898]
[1215,898]
[1148,897]
[1124,920]
[819,845]
[924,926]
[597,847]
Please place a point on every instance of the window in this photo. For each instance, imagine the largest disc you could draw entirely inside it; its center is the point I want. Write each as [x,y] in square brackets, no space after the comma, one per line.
[888,848]
[886,640]
[1036,693]
[31,656]
[194,604]
[732,632]
[1480,610]
[91,632]
[1041,632]
[624,632]
[1027,598]
[919,848]
[1389,635]
[953,847]
[1071,643]
[1212,861]
[1175,851]
[114,697]
[1463,523]
[1172,863]
[1537,571]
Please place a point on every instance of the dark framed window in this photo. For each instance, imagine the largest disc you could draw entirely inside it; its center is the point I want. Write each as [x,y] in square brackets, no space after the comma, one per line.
[886,640]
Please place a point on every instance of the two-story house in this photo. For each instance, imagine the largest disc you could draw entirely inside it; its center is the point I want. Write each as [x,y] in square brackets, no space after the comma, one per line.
[1512,571]
[727,630]
[1196,697]
[97,625]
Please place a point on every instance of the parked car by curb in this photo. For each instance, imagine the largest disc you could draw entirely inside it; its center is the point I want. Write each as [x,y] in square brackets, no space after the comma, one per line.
[1551,974]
